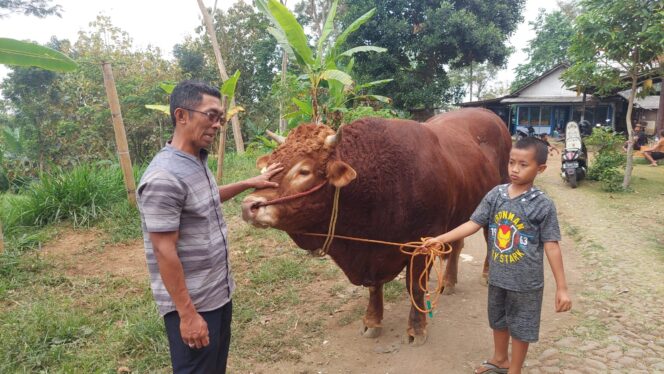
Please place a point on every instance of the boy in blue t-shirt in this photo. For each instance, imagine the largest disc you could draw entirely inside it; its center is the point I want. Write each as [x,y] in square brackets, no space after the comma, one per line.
[523,225]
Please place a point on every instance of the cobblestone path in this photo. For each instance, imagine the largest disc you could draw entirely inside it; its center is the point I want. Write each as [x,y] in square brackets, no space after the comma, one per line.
[620,305]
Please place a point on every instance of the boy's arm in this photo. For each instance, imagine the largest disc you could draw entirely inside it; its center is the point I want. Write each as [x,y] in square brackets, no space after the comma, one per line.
[462,231]
[555,257]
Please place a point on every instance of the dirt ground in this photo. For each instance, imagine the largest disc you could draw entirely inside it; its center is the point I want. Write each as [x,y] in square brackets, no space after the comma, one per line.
[614,277]
[459,336]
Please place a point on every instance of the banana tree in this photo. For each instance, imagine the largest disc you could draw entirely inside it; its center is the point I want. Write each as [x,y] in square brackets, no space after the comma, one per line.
[16,52]
[319,65]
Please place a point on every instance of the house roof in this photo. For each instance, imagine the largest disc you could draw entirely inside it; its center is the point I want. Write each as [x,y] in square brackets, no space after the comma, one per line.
[562,65]
[495,101]
[547,99]
[648,102]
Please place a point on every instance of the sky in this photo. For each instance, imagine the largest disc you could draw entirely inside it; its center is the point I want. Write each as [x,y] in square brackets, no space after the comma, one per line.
[165,23]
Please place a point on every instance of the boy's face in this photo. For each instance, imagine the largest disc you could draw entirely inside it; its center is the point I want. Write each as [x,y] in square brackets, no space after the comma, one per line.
[523,167]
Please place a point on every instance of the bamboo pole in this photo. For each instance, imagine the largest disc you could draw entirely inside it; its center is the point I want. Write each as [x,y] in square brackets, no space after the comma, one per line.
[120,135]
[222,140]
[237,134]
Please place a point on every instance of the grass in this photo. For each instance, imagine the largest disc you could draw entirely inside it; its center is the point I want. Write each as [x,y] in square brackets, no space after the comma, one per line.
[56,321]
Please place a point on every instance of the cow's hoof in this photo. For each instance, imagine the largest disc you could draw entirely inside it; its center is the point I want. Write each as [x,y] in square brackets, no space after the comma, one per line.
[317,252]
[417,340]
[449,289]
[370,332]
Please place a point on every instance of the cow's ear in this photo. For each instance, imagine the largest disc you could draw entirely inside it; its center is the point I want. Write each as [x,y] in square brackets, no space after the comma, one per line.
[262,162]
[340,173]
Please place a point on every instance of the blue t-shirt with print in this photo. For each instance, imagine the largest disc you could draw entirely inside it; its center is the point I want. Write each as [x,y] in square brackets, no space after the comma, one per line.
[518,228]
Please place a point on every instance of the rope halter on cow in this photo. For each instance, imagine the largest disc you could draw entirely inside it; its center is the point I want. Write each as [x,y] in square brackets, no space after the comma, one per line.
[284,199]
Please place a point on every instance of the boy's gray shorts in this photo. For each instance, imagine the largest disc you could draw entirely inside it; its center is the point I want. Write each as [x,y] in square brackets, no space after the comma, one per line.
[517,311]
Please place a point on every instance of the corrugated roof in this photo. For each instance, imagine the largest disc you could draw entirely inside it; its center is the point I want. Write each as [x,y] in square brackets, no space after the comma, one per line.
[648,102]
[546,99]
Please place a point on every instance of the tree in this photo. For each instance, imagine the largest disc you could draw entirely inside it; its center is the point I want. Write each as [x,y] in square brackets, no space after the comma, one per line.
[18,53]
[38,8]
[324,64]
[425,38]
[246,46]
[476,76]
[553,33]
[31,93]
[615,39]
[311,13]
[64,119]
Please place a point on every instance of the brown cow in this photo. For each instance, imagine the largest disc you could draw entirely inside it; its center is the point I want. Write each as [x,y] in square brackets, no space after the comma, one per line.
[402,181]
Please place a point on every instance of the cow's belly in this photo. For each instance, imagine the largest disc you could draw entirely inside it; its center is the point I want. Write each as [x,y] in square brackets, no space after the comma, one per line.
[372,267]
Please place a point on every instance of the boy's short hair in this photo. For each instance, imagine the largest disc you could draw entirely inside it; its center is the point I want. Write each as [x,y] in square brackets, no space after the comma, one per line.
[537,145]
[661,133]
[189,94]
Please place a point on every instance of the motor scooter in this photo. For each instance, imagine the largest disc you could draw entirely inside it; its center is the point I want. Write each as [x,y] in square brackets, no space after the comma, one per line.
[574,156]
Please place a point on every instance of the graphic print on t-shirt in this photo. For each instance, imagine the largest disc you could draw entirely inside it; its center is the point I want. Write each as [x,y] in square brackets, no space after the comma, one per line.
[509,241]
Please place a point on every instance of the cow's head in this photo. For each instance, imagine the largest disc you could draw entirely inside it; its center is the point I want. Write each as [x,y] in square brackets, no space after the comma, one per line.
[309,160]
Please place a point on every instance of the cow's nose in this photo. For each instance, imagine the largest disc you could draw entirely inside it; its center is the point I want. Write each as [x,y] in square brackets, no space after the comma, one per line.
[250,207]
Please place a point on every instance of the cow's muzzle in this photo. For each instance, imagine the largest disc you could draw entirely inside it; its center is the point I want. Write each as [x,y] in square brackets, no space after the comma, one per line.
[255,213]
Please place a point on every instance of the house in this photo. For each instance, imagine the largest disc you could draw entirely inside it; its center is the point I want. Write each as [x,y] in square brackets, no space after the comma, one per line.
[547,105]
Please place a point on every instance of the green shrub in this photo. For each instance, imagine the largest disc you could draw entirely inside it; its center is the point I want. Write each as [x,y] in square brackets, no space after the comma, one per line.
[609,160]
[82,195]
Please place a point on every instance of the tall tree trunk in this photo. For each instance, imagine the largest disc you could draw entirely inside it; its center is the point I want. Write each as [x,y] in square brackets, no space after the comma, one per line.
[583,106]
[628,122]
[314,106]
[316,18]
[237,133]
[659,124]
[470,81]
[2,240]
[284,67]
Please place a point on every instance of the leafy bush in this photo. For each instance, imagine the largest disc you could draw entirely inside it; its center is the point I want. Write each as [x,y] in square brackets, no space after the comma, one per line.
[609,161]
[82,195]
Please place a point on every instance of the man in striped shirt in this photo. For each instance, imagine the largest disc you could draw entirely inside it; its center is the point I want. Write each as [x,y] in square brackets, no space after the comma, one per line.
[185,234]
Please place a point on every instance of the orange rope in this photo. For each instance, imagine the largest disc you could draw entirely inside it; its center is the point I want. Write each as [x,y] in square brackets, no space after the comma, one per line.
[431,252]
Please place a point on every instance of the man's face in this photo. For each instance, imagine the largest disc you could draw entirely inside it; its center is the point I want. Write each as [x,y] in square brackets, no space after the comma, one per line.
[200,129]
[523,167]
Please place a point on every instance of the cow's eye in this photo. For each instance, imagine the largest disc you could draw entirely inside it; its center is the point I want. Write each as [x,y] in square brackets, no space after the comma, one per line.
[305,172]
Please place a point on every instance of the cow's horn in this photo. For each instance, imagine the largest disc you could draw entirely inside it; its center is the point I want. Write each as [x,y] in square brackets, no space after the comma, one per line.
[277,138]
[332,140]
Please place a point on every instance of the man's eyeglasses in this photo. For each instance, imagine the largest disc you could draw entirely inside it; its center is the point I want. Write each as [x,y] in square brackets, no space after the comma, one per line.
[213,116]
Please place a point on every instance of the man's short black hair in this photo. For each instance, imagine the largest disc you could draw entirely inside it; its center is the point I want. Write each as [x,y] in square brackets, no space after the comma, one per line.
[189,94]
[540,148]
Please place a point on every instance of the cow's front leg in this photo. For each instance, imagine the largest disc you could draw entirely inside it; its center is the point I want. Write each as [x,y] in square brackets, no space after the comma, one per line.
[417,321]
[374,316]
[452,268]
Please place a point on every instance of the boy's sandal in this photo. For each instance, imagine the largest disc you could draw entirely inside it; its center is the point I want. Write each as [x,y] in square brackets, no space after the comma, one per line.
[487,368]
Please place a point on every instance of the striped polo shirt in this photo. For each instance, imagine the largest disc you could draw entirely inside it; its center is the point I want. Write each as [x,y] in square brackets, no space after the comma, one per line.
[178,193]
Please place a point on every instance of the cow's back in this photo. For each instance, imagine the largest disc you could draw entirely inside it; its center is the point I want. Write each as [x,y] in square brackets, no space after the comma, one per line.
[477,143]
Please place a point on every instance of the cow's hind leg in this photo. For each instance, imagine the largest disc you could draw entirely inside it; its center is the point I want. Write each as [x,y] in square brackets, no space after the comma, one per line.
[452,268]
[417,321]
[374,316]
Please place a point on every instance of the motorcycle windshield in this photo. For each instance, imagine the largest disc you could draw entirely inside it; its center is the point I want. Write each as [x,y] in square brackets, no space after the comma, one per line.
[572,136]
